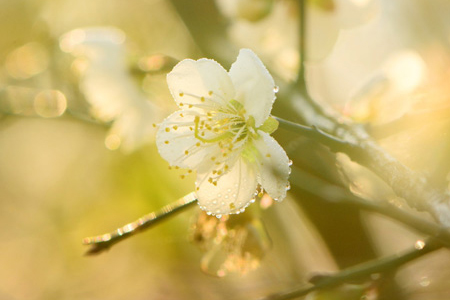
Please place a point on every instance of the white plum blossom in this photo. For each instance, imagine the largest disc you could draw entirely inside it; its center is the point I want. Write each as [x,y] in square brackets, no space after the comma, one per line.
[222,131]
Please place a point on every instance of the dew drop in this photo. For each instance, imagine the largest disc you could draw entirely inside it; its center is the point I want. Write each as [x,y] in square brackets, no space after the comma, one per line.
[252,201]
[290,163]
[218,216]
[288,186]
[276,89]
[208,213]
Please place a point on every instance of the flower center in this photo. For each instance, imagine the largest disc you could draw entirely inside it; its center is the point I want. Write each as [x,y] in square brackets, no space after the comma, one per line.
[226,126]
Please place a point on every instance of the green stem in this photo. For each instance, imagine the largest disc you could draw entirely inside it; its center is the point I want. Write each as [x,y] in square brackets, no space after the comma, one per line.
[334,143]
[105,241]
[360,271]
[301,83]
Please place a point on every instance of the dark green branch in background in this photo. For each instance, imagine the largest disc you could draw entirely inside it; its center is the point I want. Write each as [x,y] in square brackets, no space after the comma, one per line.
[360,271]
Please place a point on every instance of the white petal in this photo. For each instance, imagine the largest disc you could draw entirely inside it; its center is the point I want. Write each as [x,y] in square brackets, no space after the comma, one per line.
[234,190]
[200,83]
[254,85]
[177,144]
[274,166]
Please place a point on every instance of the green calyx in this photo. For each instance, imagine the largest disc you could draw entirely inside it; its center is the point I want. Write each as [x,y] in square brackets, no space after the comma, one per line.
[269,126]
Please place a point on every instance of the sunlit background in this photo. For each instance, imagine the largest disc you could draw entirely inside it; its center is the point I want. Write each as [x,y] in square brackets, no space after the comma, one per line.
[82,85]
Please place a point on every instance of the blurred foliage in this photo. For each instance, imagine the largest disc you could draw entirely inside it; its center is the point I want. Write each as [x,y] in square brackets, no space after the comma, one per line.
[83,82]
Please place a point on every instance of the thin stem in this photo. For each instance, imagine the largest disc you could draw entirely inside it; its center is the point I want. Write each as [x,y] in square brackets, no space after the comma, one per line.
[105,241]
[301,83]
[334,143]
[360,271]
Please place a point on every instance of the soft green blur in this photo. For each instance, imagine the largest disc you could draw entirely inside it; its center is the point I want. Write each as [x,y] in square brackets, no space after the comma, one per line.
[73,165]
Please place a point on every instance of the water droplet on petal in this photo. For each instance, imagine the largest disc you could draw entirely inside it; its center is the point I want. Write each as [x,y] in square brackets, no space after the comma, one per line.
[276,89]
[218,216]
[290,163]
[288,186]
[252,201]
[208,213]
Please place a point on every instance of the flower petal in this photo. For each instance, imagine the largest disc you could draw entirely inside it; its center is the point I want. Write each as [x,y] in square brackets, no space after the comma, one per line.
[203,84]
[177,143]
[254,86]
[273,166]
[234,190]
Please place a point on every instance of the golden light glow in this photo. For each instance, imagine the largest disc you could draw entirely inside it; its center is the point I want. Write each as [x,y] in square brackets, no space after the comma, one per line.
[27,61]
[50,103]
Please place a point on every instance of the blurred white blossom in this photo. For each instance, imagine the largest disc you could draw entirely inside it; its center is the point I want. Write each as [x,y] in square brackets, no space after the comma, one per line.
[222,131]
[276,36]
[105,81]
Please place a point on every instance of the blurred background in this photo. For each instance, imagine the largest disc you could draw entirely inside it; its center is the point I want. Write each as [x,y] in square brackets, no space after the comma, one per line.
[82,84]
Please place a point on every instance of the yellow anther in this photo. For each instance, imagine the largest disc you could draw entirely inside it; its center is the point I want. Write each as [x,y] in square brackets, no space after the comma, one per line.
[186,152]
[198,144]
[166,142]
[202,99]
[181,115]
[210,93]
[181,94]
[182,176]
[167,129]
[175,127]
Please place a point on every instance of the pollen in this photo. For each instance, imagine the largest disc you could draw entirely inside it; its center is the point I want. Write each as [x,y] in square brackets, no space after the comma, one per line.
[181,104]
[167,129]
[186,152]
[181,94]
[189,171]
[175,127]
[181,115]
[182,176]
[166,142]
[190,105]
[213,158]
[154,125]
[232,206]
[210,93]
[268,155]
[198,144]
[202,99]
